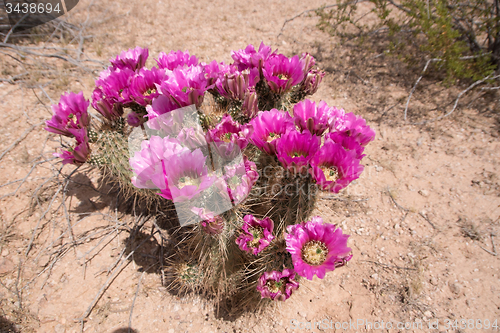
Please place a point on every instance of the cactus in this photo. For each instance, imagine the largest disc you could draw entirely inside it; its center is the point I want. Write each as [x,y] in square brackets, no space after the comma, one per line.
[238,176]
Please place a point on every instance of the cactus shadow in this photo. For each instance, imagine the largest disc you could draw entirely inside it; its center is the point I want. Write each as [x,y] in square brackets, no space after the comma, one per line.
[125,330]
[144,251]
[6,326]
[90,198]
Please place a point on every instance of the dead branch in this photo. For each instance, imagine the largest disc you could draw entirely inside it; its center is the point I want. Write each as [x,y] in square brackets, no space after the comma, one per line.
[133,302]
[389,266]
[416,83]
[494,252]
[429,221]
[21,138]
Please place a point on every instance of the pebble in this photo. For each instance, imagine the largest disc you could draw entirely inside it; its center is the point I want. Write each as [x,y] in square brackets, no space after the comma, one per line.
[6,265]
[428,314]
[375,276]
[423,193]
[455,288]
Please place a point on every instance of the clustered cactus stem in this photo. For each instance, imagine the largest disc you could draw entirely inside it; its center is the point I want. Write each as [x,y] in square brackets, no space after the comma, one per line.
[235,154]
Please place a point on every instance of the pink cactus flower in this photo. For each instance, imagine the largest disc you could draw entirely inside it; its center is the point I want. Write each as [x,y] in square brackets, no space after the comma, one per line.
[316,247]
[135,119]
[186,176]
[256,234]
[311,82]
[333,167]
[185,86]
[146,163]
[249,58]
[240,179]
[105,106]
[132,59]
[70,113]
[234,84]
[277,285]
[315,118]
[81,152]
[268,127]
[250,105]
[295,149]
[143,85]
[214,71]
[211,224]
[115,84]
[282,73]
[176,59]
[354,126]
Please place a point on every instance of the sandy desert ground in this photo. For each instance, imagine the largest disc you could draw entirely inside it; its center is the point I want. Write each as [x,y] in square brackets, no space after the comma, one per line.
[424,216]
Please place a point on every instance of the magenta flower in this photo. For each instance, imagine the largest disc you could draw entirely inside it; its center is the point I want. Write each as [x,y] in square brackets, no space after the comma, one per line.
[234,84]
[135,119]
[295,149]
[240,179]
[160,105]
[311,82]
[268,127]
[143,85]
[250,105]
[192,138]
[249,58]
[315,118]
[348,142]
[214,71]
[176,59]
[282,73]
[308,62]
[185,86]
[132,59]
[230,131]
[353,126]
[316,247]
[211,224]
[115,84]
[80,153]
[256,235]
[334,168]
[104,106]
[70,113]
[186,175]
[147,163]
[277,285]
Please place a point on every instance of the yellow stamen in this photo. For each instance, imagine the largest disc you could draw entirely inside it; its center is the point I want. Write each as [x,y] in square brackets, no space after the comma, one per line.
[314,253]
[272,136]
[185,181]
[331,173]
[257,233]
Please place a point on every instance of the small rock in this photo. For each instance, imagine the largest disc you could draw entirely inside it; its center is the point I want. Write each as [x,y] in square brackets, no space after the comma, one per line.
[424,193]
[5,252]
[455,288]
[428,314]
[6,265]
[434,281]
[375,276]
